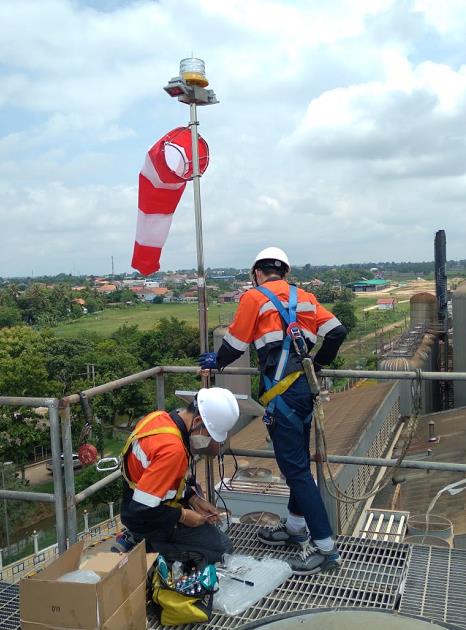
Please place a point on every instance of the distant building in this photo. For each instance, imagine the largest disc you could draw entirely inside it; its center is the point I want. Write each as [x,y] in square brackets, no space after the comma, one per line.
[106,288]
[367,286]
[80,302]
[313,283]
[230,297]
[386,304]
[189,296]
[149,293]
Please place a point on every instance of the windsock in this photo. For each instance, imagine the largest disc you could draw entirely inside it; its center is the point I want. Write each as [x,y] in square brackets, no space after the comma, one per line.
[162,180]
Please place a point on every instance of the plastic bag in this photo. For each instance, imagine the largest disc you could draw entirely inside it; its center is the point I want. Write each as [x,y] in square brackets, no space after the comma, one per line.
[83,577]
[234,595]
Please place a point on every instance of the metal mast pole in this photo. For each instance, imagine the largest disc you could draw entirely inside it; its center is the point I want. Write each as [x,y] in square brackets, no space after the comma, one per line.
[201,285]
[201,288]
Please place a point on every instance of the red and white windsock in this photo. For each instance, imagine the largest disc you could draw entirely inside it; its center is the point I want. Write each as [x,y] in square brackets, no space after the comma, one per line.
[162,180]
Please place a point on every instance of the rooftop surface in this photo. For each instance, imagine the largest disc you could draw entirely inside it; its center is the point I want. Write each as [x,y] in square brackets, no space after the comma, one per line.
[416,580]
[420,487]
[347,414]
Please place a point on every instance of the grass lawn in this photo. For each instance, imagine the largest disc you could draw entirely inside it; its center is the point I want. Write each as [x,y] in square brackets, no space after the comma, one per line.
[114,446]
[145,316]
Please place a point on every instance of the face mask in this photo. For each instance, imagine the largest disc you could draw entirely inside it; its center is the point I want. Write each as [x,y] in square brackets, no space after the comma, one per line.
[203,445]
[199,442]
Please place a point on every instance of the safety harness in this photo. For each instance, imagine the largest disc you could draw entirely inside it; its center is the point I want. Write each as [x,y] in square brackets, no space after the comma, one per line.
[139,433]
[272,398]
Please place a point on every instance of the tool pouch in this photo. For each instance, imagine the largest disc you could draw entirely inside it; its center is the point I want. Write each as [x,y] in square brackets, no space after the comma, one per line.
[184,599]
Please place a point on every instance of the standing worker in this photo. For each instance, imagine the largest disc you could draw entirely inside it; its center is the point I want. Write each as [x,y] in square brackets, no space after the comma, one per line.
[283,322]
[157,505]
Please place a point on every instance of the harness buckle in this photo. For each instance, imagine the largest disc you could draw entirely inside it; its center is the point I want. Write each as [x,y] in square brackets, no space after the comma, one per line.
[268,418]
[294,332]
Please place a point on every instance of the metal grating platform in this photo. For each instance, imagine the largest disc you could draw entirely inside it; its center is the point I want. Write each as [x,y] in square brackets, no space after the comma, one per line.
[9,606]
[436,585]
[371,575]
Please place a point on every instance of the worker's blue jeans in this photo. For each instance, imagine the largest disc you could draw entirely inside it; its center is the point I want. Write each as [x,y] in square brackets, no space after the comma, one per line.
[291,442]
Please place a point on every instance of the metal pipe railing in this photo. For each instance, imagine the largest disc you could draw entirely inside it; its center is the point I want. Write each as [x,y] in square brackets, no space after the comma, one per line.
[55,441]
[68,469]
[98,485]
[395,375]
[363,461]
[21,495]
[112,385]
[159,373]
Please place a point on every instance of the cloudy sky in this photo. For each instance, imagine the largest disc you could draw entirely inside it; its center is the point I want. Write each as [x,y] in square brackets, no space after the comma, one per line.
[340,133]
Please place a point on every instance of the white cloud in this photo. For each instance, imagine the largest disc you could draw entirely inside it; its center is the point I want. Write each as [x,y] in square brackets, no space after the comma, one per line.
[339,134]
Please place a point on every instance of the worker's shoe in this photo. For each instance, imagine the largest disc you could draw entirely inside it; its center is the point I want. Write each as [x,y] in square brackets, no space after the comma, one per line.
[280,536]
[124,542]
[312,560]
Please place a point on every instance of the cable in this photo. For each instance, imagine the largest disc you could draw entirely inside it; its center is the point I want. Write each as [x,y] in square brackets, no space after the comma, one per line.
[221,473]
[412,424]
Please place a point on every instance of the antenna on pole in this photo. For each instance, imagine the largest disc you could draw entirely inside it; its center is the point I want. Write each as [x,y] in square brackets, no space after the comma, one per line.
[113,268]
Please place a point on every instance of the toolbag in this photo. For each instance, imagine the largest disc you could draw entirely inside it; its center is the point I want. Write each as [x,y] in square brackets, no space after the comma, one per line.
[182,591]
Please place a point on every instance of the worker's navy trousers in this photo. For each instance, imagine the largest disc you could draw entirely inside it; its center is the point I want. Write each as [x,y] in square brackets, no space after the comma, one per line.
[291,442]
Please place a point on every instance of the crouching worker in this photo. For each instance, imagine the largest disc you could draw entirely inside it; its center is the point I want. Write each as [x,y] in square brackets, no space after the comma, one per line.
[157,505]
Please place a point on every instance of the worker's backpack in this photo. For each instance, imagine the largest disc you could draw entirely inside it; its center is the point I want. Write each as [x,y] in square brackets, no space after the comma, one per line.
[185,596]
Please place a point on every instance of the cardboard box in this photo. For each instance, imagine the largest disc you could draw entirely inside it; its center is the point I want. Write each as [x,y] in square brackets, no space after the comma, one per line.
[117,602]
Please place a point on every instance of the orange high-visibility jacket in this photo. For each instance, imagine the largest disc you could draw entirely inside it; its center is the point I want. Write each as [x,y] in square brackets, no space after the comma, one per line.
[155,465]
[257,321]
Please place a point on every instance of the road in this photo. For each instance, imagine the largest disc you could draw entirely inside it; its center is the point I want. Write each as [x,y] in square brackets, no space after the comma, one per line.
[38,474]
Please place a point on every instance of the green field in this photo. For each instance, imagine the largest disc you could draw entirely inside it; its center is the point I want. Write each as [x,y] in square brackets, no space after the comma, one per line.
[145,316]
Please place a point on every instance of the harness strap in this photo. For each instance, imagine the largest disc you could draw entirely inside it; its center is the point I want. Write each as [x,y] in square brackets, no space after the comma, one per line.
[290,413]
[139,433]
[276,302]
[135,433]
[279,388]
[272,398]
[288,317]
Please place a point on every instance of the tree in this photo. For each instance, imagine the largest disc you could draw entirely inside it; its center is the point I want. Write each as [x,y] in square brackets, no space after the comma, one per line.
[346,295]
[345,312]
[90,475]
[34,302]
[66,360]
[23,369]
[20,432]
[113,361]
[16,511]
[9,316]
[172,339]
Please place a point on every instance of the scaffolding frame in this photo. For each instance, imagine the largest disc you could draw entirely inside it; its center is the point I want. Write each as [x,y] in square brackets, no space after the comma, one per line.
[64,496]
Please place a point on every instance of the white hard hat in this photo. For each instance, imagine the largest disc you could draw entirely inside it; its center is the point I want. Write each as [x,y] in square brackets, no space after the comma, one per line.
[272,254]
[219,411]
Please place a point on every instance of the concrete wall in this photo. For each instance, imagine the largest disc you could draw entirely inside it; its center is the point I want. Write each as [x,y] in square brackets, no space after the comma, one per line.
[238,384]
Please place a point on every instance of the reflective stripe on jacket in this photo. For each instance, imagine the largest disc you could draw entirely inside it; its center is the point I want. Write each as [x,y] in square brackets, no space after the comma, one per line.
[155,461]
[257,321]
